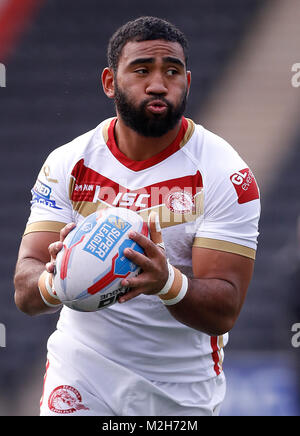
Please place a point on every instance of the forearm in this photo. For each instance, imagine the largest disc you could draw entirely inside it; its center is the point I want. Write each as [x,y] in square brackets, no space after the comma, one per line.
[210,303]
[27,295]
[210,306]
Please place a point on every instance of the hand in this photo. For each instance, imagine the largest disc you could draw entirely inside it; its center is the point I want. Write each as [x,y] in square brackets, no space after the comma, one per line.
[55,247]
[154,266]
[45,281]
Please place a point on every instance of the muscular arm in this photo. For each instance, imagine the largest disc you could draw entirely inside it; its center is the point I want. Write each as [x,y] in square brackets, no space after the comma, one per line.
[214,297]
[33,256]
[217,293]
[213,301]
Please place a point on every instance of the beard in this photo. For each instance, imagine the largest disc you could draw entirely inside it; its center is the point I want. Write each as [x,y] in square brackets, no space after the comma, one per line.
[143,123]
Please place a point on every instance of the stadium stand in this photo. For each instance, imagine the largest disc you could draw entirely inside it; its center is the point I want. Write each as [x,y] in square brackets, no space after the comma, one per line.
[271,309]
[272,295]
[53,94]
[262,124]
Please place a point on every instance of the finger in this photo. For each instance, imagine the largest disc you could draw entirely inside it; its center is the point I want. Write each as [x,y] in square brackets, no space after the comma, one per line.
[155,228]
[134,282]
[54,248]
[50,267]
[65,231]
[137,258]
[148,246]
[129,295]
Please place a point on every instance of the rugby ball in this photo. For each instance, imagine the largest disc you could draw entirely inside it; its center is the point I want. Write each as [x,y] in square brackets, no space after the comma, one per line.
[91,265]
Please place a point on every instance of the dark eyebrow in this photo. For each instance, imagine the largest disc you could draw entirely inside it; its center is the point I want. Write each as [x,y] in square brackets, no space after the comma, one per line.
[139,61]
[172,60]
[166,59]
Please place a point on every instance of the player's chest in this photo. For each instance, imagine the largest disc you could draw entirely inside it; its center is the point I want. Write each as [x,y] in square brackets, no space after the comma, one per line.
[175,192]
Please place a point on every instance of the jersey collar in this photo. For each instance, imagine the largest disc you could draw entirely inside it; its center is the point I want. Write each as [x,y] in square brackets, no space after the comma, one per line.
[147,163]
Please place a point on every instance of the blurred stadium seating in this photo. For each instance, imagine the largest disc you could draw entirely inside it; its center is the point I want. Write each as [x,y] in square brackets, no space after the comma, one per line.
[54,93]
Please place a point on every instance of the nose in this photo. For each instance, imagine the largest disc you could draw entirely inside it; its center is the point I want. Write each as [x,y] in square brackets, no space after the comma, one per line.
[156,85]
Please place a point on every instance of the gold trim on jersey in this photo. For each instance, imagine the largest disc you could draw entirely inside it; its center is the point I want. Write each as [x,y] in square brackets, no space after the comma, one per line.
[229,247]
[105,129]
[71,187]
[189,132]
[166,216]
[221,341]
[221,355]
[44,226]
[86,208]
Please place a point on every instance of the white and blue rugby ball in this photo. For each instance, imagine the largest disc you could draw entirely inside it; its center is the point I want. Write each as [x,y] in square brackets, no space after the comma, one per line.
[91,265]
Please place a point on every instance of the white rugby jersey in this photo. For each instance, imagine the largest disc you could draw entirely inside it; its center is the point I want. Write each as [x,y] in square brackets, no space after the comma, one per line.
[206,196]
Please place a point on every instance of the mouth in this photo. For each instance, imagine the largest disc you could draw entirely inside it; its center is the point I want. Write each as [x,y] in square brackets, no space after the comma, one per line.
[157,107]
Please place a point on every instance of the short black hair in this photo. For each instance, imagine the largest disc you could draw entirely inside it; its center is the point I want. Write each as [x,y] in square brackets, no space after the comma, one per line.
[143,29]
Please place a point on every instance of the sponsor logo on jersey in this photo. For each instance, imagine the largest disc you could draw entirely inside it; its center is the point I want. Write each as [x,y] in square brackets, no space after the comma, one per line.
[47,173]
[41,194]
[178,194]
[245,185]
[65,399]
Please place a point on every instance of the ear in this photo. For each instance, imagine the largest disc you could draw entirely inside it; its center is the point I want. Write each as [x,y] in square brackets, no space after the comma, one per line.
[189,79]
[108,83]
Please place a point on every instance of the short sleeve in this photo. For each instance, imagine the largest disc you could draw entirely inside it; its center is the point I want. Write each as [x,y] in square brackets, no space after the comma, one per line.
[231,213]
[50,206]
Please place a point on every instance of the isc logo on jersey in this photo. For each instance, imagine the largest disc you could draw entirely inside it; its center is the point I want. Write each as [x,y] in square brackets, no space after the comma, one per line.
[245,186]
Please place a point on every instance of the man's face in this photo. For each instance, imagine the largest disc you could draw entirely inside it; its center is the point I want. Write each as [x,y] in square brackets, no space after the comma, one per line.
[151,86]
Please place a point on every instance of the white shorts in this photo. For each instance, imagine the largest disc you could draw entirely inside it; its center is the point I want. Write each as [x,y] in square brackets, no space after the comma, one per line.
[81,382]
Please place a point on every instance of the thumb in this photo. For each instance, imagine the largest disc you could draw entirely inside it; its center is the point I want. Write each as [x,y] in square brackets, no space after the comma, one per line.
[154,228]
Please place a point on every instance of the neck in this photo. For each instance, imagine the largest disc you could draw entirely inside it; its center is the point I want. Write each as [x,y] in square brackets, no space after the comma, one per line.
[137,147]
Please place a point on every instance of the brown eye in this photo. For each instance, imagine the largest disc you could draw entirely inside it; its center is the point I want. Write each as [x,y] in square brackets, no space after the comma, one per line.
[141,71]
[172,72]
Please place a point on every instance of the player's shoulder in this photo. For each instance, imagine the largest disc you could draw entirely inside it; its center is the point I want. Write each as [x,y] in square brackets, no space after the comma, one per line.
[222,168]
[209,149]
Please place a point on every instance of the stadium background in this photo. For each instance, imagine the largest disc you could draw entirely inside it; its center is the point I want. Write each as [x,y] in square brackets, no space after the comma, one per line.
[241,57]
